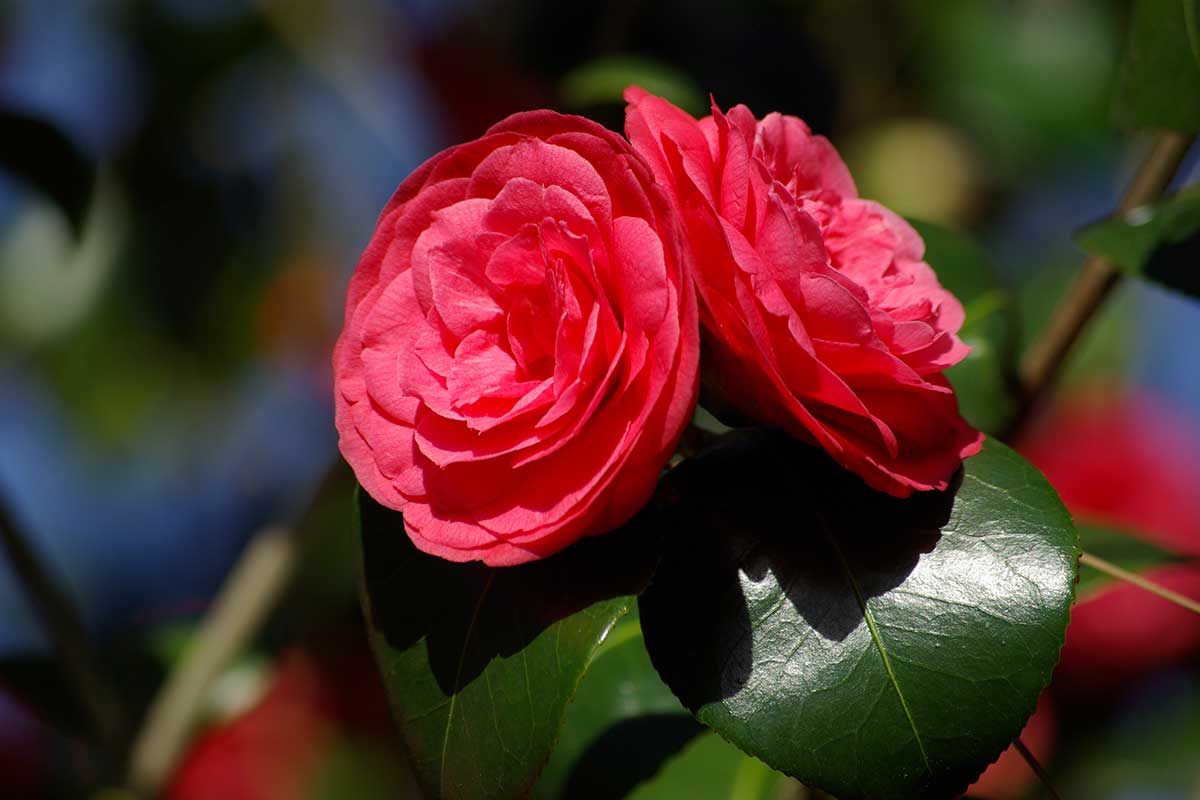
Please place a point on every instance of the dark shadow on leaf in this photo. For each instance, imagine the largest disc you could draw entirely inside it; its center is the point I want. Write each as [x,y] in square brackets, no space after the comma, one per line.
[627,754]
[761,515]
[492,612]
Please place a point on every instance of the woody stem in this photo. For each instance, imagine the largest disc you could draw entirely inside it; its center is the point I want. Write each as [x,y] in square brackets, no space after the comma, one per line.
[1096,280]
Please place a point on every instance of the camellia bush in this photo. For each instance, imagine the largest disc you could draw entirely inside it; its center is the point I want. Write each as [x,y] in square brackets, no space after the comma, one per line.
[660,433]
[683,470]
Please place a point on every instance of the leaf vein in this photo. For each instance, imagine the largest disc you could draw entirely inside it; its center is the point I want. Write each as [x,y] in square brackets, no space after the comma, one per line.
[462,658]
[883,653]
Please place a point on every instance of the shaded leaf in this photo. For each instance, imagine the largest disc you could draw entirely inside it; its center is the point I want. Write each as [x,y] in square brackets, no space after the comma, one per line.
[710,768]
[1159,81]
[983,380]
[480,663]
[627,735]
[623,724]
[628,754]
[869,646]
[1160,242]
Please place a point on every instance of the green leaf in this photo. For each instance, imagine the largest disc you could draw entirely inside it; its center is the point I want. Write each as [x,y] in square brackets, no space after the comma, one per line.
[1122,548]
[1159,81]
[623,724]
[480,663]
[865,645]
[710,768]
[627,735]
[983,380]
[1160,242]
[604,80]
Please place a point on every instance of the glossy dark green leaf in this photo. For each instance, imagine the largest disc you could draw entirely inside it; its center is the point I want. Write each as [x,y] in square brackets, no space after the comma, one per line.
[621,727]
[983,381]
[868,646]
[480,663]
[1160,242]
[1159,81]
[1122,548]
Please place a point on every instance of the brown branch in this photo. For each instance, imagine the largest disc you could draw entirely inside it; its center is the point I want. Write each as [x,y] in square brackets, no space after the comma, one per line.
[1096,280]
[61,621]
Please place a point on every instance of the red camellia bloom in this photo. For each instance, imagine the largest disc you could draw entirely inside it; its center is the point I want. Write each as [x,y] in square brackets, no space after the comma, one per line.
[820,316]
[520,347]
[1124,460]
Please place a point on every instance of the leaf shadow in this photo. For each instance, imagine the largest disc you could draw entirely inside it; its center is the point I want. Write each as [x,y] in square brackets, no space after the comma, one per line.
[629,753]
[765,520]
[469,613]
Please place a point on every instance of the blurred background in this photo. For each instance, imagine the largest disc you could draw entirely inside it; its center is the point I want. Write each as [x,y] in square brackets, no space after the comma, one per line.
[185,187]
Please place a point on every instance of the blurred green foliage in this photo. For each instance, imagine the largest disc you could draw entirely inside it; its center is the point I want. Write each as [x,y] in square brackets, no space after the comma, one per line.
[605,80]
[1159,83]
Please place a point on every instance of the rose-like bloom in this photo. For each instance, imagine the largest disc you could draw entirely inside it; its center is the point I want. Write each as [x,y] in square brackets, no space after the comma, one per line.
[819,315]
[520,347]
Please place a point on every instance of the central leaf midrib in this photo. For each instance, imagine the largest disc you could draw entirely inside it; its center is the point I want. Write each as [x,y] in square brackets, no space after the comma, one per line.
[456,687]
[883,654]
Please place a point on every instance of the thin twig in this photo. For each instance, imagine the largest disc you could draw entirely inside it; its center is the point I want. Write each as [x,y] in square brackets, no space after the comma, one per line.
[245,600]
[250,594]
[1095,282]
[66,633]
[1137,580]
[1037,768]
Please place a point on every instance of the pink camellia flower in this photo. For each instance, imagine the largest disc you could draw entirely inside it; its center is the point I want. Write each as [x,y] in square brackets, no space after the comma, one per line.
[820,316]
[520,348]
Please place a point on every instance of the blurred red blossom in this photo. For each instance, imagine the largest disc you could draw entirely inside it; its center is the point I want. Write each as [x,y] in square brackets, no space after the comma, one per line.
[1124,459]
